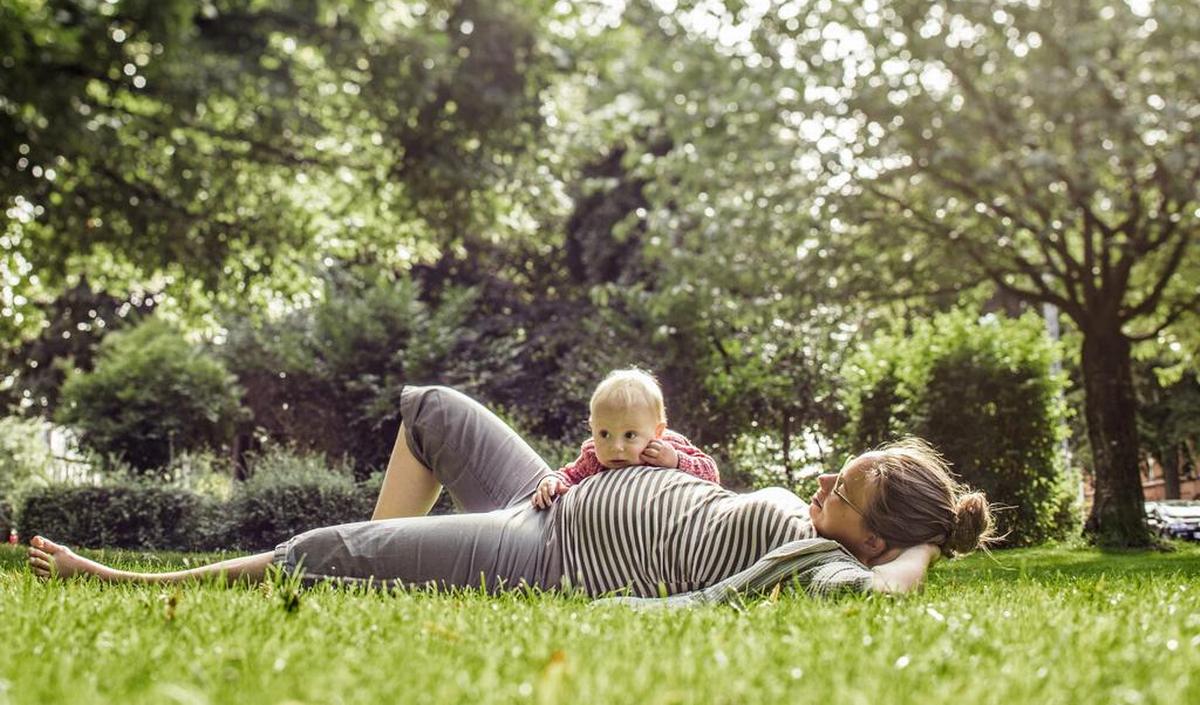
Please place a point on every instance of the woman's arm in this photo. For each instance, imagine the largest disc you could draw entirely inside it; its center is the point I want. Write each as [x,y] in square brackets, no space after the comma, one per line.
[906,571]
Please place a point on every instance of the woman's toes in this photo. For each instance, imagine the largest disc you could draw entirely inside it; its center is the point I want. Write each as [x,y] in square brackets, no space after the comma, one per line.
[45,544]
[46,558]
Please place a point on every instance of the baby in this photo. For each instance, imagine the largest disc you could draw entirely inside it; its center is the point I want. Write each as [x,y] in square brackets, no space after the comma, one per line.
[629,427]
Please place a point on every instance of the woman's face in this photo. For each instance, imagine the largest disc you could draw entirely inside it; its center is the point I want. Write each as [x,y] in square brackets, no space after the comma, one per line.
[838,506]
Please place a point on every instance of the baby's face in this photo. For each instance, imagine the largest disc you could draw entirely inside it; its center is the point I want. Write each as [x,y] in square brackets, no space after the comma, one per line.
[622,432]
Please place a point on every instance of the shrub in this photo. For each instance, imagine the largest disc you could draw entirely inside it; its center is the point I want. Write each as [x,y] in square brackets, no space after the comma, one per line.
[151,395]
[983,393]
[127,515]
[290,492]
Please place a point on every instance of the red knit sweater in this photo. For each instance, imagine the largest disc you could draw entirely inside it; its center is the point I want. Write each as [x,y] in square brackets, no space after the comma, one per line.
[692,460]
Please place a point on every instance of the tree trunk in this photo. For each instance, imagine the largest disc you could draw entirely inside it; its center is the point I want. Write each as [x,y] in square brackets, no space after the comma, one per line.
[1118,513]
[242,440]
[1170,465]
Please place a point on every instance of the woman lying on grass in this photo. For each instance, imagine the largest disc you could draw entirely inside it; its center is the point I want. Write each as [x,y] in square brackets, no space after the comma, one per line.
[648,531]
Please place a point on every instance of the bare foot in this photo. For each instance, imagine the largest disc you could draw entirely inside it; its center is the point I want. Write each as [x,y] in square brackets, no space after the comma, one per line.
[48,559]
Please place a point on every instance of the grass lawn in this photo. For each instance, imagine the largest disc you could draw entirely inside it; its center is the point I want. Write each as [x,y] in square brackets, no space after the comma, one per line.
[1052,625]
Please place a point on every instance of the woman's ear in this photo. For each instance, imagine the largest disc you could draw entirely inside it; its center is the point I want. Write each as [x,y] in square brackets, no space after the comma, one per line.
[887,557]
[877,550]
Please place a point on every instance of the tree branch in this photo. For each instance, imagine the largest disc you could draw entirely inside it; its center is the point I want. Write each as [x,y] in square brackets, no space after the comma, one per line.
[1173,316]
[1040,293]
[1065,273]
[1074,274]
[1150,302]
[281,156]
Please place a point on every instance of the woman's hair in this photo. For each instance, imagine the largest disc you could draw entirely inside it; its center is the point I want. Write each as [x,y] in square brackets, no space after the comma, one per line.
[917,500]
[631,387]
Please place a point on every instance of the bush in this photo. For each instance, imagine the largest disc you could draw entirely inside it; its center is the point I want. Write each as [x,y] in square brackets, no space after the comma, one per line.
[289,493]
[983,393]
[129,515]
[151,395]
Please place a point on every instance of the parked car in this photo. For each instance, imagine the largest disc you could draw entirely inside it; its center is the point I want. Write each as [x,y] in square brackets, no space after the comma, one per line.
[1152,518]
[1175,518]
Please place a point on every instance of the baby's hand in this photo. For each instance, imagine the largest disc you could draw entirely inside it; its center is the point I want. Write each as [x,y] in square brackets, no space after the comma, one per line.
[660,454]
[549,488]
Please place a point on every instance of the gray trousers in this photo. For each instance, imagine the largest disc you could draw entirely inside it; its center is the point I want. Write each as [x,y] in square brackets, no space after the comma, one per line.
[489,471]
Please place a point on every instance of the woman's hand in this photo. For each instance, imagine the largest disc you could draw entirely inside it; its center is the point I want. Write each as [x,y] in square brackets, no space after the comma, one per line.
[906,571]
[550,487]
[660,455]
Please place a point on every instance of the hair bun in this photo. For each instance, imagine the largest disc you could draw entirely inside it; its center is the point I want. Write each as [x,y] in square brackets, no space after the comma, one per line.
[972,524]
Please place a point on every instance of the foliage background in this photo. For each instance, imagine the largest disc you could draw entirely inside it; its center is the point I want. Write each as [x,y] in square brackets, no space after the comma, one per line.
[335,198]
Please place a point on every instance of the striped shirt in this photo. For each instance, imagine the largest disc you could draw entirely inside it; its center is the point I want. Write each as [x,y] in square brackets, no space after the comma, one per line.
[655,532]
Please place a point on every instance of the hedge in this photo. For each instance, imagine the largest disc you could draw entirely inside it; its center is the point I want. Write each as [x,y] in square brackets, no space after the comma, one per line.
[265,513]
[139,516]
[134,516]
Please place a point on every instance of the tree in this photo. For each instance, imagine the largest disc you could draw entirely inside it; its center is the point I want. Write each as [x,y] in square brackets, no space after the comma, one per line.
[1047,148]
[697,202]
[216,149]
[983,391]
[25,458]
[913,150]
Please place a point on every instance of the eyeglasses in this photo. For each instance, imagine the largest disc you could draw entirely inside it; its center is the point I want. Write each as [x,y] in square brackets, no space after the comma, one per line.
[837,484]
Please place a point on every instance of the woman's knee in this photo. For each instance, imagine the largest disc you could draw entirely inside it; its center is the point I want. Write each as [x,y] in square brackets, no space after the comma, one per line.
[438,406]
[442,394]
[429,414]
[416,403]
[438,394]
[434,396]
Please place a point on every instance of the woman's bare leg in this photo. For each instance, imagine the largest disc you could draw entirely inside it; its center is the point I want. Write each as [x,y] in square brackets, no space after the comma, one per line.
[409,488]
[47,559]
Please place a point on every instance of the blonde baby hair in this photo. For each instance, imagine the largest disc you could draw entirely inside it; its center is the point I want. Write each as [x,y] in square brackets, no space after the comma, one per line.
[631,387]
